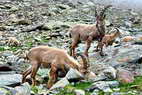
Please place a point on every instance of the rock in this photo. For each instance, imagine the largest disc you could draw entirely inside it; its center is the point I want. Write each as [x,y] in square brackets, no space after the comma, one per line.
[128,39]
[4,91]
[24,22]
[110,72]
[23,89]
[62,6]
[14,8]
[128,24]
[105,86]
[43,72]
[60,84]
[124,76]
[103,72]
[90,76]
[2,28]
[10,79]
[79,92]
[7,53]
[140,38]
[124,60]
[13,18]
[12,59]
[13,41]
[74,74]
[55,25]
[95,92]
[124,32]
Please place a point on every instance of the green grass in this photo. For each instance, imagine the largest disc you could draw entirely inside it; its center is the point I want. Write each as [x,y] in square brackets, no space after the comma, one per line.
[69,90]
[11,48]
[29,44]
[136,85]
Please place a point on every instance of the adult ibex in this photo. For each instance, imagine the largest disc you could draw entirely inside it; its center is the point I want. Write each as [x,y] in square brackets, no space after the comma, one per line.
[88,33]
[58,60]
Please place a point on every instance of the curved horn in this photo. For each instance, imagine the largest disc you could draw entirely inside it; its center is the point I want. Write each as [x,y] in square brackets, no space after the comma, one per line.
[85,62]
[104,10]
[96,13]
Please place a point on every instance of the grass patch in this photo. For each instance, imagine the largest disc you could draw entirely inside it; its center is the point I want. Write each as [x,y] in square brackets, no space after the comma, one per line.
[124,88]
[136,85]
[11,48]
[69,90]
[29,44]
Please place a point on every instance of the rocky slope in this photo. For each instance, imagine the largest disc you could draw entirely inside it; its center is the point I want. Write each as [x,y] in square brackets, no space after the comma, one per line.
[28,23]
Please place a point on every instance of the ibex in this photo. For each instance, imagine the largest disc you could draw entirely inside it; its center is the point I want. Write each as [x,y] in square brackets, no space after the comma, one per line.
[58,60]
[88,33]
[108,40]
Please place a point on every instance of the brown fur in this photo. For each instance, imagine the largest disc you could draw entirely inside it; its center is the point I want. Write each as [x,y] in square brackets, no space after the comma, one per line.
[108,40]
[88,33]
[49,57]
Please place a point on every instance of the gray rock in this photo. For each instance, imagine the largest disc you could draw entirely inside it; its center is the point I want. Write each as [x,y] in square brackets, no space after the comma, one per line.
[14,8]
[12,59]
[95,92]
[79,92]
[60,84]
[74,74]
[90,76]
[124,32]
[23,89]
[10,79]
[104,85]
[63,6]
[6,54]
[104,72]
[24,22]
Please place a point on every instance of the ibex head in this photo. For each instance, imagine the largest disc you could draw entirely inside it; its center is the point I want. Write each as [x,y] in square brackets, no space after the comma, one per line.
[102,14]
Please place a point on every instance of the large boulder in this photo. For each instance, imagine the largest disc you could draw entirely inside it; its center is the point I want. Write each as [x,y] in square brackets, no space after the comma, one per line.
[23,89]
[10,79]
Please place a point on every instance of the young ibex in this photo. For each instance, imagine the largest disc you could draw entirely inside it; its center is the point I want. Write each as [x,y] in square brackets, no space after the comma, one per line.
[108,40]
[56,59]
[88,33]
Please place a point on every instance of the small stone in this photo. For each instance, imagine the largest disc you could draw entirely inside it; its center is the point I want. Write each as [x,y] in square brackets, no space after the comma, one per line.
[104,85]
[24,22]
[2,28]
[12,59]
[14,8]
[128,39]
[79,92]
[90,76]
[60,84]
[62,6]
[116,89]
[124,60]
